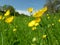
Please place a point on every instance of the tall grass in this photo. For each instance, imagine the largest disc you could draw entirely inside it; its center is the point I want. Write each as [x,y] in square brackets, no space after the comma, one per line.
[24,35]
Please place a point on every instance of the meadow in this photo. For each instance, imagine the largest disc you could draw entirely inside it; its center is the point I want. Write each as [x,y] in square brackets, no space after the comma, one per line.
[18,32]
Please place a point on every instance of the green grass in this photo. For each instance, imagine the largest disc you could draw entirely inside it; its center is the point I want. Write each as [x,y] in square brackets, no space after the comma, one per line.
[24,34]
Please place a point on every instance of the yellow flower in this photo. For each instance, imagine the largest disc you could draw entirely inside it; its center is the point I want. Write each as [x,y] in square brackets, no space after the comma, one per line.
[32,23]
[52,23]
[40,12]
[44,36]
[37,19]
[59,20]
[14,30]
[7,13]
[0,17]
[37,14]
[33,28]
[47,14]
[36,24]
[44,9]
[34,39]
[48,17]
[30,10]
[9,20]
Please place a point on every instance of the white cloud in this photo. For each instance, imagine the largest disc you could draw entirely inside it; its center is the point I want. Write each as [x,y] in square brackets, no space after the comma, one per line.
[23,12]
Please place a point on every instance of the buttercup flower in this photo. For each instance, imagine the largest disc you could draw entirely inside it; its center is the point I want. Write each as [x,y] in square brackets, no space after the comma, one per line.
[33,28]
[52,23]
[44,9]
[48,17]
[59,20]
[37,19]
[9,20]
[36,24]
[32,23]
[7,13]
[47,14]
[14,29]
[30,10]
[34,39]
[37,14]
[44,36]
[40,12]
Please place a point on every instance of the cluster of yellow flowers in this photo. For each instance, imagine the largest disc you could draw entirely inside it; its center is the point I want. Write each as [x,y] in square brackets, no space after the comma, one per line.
[37,16]
[39,13]
[8,19]
[34,22]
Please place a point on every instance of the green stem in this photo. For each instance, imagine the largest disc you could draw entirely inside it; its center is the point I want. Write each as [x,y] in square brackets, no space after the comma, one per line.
[2,38]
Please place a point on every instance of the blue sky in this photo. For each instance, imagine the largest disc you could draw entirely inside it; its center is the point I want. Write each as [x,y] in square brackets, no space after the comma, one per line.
[24,4]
